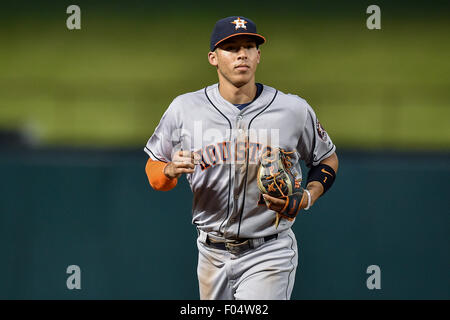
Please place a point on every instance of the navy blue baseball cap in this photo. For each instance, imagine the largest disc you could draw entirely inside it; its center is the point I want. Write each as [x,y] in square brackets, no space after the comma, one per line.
[234,26]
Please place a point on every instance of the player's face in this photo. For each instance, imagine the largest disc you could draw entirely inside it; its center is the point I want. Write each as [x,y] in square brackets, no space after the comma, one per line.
[236,60]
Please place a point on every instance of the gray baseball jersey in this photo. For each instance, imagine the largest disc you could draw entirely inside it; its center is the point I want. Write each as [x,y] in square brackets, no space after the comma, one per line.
[228,143]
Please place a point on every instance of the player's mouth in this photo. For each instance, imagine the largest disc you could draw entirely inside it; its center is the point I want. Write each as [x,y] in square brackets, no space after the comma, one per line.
[242,67]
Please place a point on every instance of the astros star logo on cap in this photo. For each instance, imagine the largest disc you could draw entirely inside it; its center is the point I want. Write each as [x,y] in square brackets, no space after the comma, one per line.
[234,26]
[239,23]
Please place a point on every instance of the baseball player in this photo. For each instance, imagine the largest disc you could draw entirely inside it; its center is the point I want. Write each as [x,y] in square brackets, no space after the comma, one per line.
[216,137]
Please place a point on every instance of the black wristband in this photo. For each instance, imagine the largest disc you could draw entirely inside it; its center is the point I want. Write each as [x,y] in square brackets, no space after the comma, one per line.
[323,174]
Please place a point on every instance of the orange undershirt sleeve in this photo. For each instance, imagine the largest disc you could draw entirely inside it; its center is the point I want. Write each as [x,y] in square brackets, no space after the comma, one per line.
[156,177]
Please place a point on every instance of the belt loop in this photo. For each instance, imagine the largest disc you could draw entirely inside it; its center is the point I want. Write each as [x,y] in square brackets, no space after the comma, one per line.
[255,243]
[202,236]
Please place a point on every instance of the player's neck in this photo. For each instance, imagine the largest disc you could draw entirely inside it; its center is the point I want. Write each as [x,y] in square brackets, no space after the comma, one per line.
[238,95]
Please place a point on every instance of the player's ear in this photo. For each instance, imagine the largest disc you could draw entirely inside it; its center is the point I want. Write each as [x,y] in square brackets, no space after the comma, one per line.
[259,56]
[212,58]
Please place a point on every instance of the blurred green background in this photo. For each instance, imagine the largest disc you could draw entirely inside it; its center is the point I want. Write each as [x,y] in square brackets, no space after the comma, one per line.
[109,83]
[77,108]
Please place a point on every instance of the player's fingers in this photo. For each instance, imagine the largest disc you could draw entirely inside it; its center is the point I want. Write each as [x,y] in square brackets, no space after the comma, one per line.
[187,160]
[183,159]
[184,170]
[184,164]
[192,157]
[179,155]
[274,203]
[186,156]
[184,153]
[197,158]
[271,206]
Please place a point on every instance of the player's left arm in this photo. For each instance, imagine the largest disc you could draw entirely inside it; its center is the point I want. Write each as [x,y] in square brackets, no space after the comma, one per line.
[321,177]
[313,145]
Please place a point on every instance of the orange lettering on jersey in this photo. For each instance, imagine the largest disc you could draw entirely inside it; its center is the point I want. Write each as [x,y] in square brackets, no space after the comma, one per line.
[211,153]
[253,151]
[220,153]
[240,151]
[203,164]
[224,149]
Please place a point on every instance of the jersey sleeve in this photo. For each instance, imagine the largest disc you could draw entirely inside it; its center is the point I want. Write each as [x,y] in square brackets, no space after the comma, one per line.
[315,144]
[160,145]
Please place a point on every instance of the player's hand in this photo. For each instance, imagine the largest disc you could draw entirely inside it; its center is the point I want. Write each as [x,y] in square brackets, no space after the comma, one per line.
[277,204]
[274,204]
[182,162]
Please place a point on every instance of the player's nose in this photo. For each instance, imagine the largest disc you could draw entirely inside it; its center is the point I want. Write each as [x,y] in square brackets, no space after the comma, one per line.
[242,53]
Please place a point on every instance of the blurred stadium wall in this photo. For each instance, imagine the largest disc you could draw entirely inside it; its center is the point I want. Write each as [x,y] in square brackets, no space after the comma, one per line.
[109,83]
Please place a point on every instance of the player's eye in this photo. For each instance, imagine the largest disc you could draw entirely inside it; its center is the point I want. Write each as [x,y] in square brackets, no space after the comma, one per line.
[230,48]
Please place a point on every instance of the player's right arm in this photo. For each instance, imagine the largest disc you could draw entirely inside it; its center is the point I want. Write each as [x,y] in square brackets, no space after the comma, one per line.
[166,163]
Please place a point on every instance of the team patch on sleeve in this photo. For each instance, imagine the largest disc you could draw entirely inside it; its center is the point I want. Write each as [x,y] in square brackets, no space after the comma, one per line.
[321,131]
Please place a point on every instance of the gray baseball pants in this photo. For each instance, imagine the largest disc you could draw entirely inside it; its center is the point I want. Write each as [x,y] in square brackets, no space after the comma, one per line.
[266,272]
